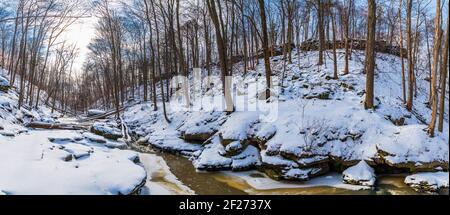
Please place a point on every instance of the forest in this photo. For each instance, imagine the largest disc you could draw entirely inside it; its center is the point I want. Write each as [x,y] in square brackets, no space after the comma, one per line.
[341,94]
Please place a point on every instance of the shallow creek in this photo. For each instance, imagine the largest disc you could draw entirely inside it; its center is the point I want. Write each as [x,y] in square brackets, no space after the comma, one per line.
[227,183]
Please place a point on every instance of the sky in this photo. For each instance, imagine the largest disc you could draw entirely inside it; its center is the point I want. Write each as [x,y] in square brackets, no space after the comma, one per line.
[80,33]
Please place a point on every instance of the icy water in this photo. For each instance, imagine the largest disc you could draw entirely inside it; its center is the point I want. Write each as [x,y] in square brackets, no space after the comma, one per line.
[227,184]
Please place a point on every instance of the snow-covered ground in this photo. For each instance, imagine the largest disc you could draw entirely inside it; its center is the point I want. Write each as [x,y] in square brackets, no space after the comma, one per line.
[31,164]
[37,161]
[320,123]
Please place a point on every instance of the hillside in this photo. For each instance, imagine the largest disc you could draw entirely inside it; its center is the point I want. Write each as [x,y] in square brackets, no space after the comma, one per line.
[320,124]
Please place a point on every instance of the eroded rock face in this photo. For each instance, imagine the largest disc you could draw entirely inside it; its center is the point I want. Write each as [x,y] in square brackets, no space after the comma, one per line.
[410,149]
[428,182]
[280,168]
[411,166]
[213,158]
[360,174]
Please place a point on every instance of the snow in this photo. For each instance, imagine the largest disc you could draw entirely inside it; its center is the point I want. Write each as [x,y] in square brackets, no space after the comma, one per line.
[201,123]
[160,180]
[94,137]
[94,112]
[360,174]
[106,129]
[4,82]
[428,182]
[419,148]
[238,125]
[211,158]
[266,183]
[40,166]
[277,160]
[317,120]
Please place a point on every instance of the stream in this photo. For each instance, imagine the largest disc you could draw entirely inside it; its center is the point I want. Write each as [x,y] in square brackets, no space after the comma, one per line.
[227,183]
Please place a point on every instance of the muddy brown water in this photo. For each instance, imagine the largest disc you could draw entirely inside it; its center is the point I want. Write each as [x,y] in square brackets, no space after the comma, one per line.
[220,183]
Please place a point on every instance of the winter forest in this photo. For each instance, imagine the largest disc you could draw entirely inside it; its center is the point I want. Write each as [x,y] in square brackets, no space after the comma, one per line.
[185,97]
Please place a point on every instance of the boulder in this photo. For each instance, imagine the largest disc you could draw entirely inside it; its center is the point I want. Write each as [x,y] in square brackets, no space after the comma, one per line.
[398,121]
[318,93]
[305,174]
[94,112]
[196,137]
[361,174]
[94,138]
[212,158]
[201,126]
[279,168]
[107,131]
[238,127]
[60,139]
[428,182]
[4,84]
[385,158]
[263,134]
[7,133]
[234,148]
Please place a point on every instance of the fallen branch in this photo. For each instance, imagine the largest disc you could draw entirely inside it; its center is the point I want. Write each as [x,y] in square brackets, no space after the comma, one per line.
[57,126]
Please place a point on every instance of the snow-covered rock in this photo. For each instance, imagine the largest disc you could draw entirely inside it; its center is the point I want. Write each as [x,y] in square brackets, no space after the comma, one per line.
[212,158]
[278,167]
[201,126]
[310,135]
[119,144]
[106,130]
[409,147]
[7,133]
[361,174]
[94,138]
[78,150]
[428,182]
[31,164]
[4,84]
[95,112]
[237,127]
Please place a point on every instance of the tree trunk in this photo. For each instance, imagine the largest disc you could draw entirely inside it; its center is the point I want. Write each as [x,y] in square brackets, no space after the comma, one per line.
[444,70]
[265,47]
[437,44]
[409,104]
[370,58]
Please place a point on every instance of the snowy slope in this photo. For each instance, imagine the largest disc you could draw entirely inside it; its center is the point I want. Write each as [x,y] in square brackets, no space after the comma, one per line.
[59,162]
[320,123]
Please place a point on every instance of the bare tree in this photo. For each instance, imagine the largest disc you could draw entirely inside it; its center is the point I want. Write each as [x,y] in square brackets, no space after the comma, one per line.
[434,95]
[370,57]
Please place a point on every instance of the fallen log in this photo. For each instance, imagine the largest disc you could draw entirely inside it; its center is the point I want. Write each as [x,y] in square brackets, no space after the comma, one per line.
[107,114]
[56,126]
